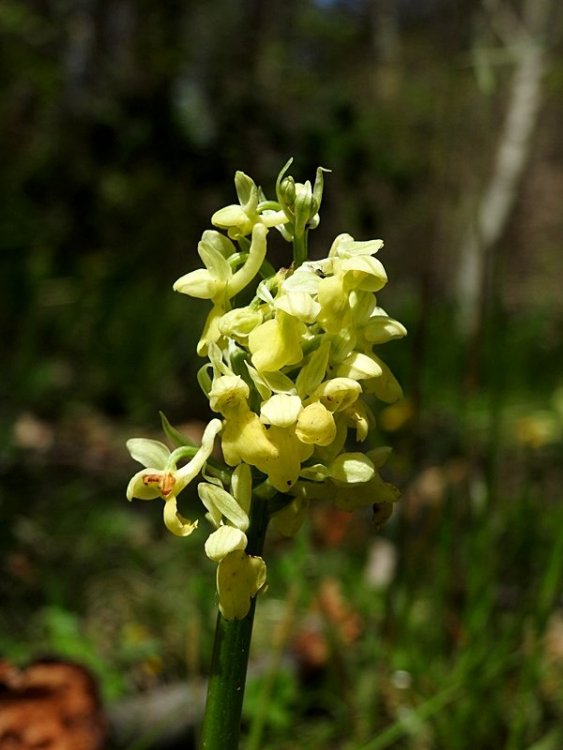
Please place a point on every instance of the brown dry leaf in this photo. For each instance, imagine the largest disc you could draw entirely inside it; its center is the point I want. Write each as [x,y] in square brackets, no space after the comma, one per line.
[52,705]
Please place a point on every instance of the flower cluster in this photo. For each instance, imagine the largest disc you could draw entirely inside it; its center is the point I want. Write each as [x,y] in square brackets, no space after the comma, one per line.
[287,374]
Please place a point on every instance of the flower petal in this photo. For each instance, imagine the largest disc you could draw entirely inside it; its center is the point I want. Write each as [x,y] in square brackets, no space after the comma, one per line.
[351,468]
[138,487]
[175,522]
[316,425]
[228,393]
[281,410]
[338,394]
[239,578]
[232,216]
[150,453]
[221,503]
[313,371]
[200,284]
[212,254]
[256,256]
[224,540]
[245,438]
[359,366]
[188,472]
[241,486]
[345,246]
[300,305]
[385,386]
[364,272]
[381,328]
[276,343]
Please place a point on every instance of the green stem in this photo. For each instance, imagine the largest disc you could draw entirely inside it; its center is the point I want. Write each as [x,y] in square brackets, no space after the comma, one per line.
[300,249]
[225,692]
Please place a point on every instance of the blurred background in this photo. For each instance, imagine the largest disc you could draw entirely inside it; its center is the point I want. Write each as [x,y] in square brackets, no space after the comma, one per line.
[122,123]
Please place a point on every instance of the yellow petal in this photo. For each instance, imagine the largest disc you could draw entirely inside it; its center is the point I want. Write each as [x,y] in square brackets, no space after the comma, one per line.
[256,256]
[334,304]
[283,469]
[142,489]
[234,217]
[188,472]
[299,305]
[200,284]
[223,541]
[314,370]
[150,453]
[385,386]
[363,272]
[220,503]
[338,394]
[245,439]
[362,495]
[351,469]
[175,522]
[211,333]
[241,486]
[316,425]
[239,578]
[359,366]
[228,394]
[281,410]
[276,343]
[240,322]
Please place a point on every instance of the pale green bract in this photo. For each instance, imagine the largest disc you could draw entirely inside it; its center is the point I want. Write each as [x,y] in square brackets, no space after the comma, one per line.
[291,375]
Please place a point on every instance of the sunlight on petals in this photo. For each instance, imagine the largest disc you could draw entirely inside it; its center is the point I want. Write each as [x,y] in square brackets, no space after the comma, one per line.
[239,578]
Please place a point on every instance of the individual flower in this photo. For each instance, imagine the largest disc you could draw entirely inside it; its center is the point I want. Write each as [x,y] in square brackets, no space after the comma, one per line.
[283,469]
[218,281]
[239,578]
[161,478]
[239,219]
[244,436]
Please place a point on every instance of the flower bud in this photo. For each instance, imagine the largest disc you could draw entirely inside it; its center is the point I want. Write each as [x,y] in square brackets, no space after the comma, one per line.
[287,192]
[305,207]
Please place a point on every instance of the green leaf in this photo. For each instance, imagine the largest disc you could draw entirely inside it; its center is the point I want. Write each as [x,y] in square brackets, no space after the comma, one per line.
[174,435]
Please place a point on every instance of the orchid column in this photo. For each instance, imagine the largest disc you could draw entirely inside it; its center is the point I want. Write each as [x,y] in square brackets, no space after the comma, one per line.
[290,376]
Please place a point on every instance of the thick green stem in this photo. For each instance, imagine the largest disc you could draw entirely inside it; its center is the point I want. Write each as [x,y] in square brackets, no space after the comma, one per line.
[225,692]
[300,249]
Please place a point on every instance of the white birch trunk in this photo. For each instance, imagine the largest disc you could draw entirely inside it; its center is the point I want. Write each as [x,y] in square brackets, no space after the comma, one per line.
[514,146]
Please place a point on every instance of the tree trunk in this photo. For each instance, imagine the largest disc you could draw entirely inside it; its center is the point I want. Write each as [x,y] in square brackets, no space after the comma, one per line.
[498,198]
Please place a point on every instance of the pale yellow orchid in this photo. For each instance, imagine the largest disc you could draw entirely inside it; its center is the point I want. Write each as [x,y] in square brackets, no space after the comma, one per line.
[290,372]
[239,219]
[162,479]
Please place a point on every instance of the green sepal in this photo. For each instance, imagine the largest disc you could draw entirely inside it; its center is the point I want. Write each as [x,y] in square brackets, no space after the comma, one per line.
[280,194]
[175,436]
[205,382]
[319,186]
[247,192]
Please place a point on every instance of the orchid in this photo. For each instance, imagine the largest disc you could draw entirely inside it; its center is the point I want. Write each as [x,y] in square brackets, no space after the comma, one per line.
[162,479]
[291,375]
